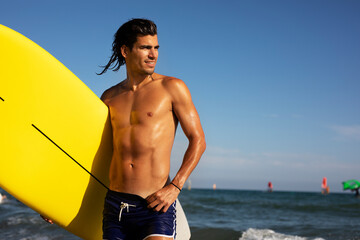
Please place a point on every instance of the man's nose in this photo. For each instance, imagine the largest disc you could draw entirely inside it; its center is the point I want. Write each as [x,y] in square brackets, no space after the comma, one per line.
[152,53]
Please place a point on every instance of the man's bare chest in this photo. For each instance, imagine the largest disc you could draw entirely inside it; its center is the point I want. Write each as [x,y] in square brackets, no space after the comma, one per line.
[137,108]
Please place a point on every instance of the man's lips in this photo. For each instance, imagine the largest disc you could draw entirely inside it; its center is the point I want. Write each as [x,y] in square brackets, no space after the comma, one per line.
[150,63]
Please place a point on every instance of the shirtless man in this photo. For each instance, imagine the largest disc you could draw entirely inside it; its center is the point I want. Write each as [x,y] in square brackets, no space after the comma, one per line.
[145,110]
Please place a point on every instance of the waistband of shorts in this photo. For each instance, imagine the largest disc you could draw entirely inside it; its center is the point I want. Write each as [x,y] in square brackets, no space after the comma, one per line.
[128,196]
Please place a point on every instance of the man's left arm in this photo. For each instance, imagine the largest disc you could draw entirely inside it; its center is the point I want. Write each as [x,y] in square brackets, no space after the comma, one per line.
[188,117]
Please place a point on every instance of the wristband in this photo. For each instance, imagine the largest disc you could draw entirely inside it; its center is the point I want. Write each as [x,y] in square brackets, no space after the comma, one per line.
[176,186]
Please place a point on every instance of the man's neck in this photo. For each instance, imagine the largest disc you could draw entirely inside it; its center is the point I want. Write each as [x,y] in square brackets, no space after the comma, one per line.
[133,82]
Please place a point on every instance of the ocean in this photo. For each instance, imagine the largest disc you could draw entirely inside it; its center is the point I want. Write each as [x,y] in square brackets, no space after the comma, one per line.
[225,215]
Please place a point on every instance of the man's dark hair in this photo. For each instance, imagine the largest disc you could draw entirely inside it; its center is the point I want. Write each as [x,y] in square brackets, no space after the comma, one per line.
[127,35]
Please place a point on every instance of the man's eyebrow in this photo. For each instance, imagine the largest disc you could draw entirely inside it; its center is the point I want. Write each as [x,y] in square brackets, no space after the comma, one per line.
[149,46]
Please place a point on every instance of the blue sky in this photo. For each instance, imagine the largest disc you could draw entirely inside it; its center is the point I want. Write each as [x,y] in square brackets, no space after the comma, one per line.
[276,83]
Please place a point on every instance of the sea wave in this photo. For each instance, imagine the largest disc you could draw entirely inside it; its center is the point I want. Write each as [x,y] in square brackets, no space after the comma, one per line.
[268,234]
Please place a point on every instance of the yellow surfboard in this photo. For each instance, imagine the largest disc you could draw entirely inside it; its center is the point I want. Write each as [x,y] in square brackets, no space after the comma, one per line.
[55,139]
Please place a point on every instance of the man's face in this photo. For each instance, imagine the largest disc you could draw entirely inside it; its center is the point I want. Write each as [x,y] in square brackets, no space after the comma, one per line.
[143,56]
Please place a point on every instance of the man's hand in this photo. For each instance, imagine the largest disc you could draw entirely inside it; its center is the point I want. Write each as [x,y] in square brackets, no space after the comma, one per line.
[162,199]
[46,219]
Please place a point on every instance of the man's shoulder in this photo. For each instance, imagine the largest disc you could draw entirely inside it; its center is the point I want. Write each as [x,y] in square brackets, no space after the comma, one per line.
[169,82]
[176,88]
[110,92]
[164,79]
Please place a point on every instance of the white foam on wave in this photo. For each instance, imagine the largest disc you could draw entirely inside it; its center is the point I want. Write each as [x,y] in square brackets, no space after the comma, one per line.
[36,237]
[268,234]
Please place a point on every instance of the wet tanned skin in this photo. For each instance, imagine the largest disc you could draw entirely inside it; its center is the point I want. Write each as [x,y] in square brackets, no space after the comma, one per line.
[145,110]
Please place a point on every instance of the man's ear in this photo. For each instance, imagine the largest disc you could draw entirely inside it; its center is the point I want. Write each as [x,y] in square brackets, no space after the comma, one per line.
[124,51]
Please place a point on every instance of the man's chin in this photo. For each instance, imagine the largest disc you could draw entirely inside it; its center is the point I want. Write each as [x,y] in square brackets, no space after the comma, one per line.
[150,72]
